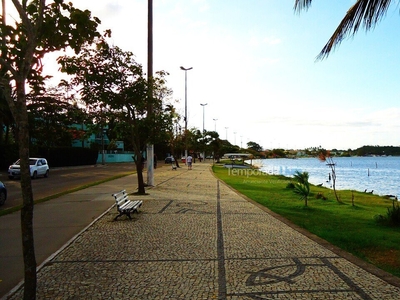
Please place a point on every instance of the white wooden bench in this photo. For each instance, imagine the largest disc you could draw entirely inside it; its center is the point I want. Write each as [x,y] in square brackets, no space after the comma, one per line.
[124,205]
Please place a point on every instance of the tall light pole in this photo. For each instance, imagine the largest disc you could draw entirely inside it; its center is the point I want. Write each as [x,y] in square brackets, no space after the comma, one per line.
[203,104]
[235,138]
[226,133]
[186,69]
[215,124]
[204,152]
[150,145]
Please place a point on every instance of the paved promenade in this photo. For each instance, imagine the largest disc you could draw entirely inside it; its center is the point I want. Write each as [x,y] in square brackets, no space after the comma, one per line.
[195,238]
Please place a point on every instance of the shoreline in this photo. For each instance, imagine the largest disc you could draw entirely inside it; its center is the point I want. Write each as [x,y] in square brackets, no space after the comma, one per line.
[362,174]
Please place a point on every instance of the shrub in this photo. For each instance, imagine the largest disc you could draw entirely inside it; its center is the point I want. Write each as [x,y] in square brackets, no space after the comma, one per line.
[320,196]
[290,185]
[392,217]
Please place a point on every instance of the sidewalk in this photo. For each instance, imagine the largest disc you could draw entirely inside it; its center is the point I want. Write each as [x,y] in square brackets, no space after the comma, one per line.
[195,238]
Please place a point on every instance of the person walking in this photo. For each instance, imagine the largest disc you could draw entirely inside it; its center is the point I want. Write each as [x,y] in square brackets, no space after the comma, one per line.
[189,161]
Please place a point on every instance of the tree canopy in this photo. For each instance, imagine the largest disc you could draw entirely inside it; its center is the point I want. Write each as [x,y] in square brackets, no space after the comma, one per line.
[113,88]
[38,29]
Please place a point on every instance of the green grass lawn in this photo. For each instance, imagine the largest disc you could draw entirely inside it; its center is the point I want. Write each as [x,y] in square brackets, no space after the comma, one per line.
[352,228]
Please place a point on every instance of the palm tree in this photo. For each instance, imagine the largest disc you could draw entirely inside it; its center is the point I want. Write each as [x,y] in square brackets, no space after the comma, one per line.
[302,187]
[365,13]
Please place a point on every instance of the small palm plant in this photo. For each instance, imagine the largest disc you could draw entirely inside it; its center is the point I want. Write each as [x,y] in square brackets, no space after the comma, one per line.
[302,187]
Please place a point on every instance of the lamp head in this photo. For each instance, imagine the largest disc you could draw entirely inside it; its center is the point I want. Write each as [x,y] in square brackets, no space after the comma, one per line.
[186,69]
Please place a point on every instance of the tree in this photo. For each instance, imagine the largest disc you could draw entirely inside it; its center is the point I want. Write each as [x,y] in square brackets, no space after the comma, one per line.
[39,30]
[51,116]
[6,120]
[212,143]
[364,13]
[176,140]
[254,146]
[194,140]
[325,156]
[227,147]
[278,153]
[112,85]
[131,108]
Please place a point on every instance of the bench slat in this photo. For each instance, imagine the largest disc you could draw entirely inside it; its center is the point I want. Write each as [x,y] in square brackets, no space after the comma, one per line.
[122,201]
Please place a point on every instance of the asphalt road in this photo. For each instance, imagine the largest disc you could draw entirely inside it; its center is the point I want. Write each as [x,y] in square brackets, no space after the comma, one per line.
[55,221]
[60,180]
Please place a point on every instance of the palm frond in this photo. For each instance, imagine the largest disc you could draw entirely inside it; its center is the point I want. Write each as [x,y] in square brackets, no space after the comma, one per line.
[301,5]
[365,13]
[302,190]
[301,177]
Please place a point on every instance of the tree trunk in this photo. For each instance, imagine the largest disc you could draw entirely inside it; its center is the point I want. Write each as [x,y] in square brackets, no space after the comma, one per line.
[176,161]
[139,172]
[28,248]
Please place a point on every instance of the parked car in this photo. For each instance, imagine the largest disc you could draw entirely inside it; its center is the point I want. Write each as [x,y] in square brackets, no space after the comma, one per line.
[169,160]
[3,193]
[38,167]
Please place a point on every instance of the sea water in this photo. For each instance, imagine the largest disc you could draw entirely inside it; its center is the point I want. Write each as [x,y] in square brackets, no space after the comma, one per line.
[378,174]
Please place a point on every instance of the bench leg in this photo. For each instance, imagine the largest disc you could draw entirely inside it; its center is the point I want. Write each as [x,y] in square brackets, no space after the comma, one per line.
[123,213]
[115,219]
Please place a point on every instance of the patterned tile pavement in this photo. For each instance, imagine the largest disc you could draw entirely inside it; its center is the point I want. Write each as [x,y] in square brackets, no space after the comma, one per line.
[195,238]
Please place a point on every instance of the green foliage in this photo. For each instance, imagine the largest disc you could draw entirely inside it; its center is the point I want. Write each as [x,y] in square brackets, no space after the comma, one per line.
[320,196]
[26,43]
[302,187]
[8,155]
[39,29]
[117,94]
[302,190]
[290,185]
[67,156]
[302,177]
[378,150]
[51,116]
[276,153]
[254,146]
[392,217]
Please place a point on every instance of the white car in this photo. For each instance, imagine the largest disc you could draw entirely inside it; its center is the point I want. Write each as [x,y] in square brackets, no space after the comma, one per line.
[38,167]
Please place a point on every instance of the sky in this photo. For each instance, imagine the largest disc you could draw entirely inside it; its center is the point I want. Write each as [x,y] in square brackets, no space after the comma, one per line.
[254,65]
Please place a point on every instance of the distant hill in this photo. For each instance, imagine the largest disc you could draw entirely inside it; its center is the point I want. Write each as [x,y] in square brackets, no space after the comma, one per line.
[378,150]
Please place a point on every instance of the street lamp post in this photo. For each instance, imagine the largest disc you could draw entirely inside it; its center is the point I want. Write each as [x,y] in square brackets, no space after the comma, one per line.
[203,104]
[215,124]
[186,69]
[226,133]
[150,145]
[204,152]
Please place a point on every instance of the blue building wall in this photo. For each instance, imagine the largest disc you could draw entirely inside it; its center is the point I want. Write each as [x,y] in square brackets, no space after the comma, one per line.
[115,157]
